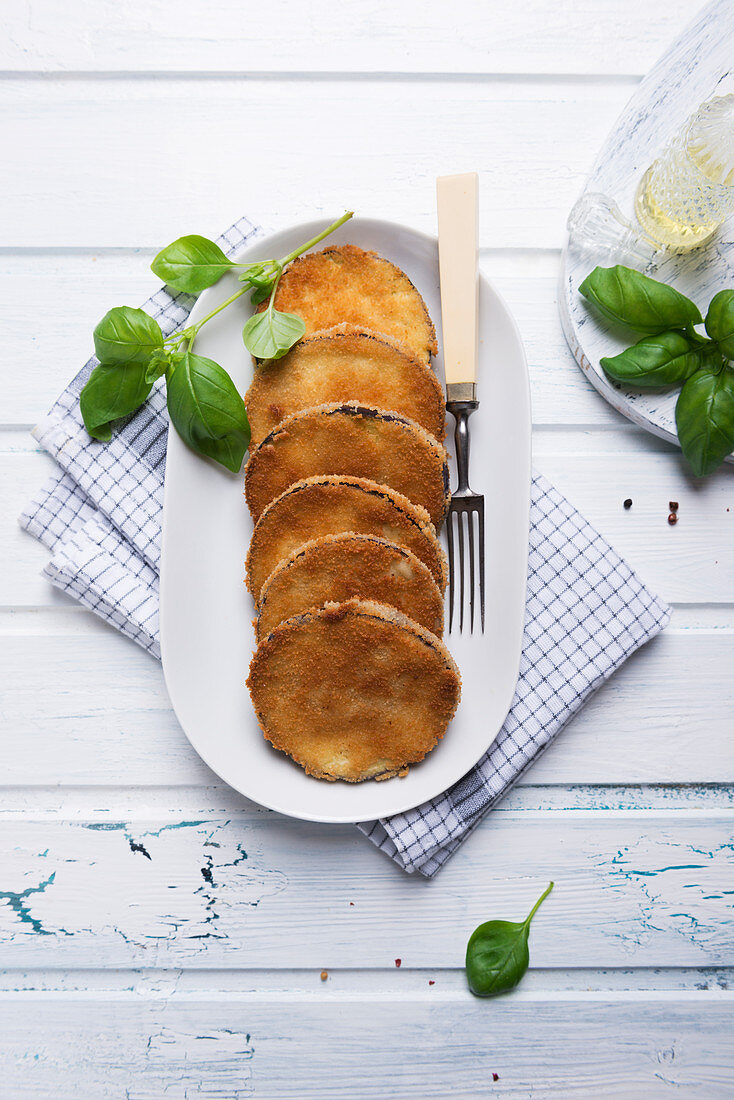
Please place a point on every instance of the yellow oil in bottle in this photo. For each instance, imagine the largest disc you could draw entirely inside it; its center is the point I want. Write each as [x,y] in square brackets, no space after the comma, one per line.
[688,191]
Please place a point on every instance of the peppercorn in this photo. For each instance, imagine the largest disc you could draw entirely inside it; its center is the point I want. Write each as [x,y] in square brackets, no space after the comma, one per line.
[628,503]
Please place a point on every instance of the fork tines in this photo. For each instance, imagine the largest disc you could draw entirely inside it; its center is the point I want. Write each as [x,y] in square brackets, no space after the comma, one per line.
[469,506]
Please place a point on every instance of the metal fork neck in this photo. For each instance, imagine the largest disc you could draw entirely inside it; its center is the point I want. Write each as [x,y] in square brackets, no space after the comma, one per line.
[461,411]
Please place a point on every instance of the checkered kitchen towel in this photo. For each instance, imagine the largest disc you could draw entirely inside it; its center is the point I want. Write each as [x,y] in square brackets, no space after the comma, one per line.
[100,516]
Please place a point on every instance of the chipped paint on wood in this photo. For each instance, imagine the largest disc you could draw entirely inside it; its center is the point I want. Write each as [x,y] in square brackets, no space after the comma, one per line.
[643,886]
[431,1048]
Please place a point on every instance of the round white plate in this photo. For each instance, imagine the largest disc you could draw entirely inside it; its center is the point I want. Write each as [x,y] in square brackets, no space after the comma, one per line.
[695,67]
[206,612]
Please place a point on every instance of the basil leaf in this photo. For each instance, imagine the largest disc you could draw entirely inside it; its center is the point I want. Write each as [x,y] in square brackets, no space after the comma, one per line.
[126,335]
[497,954]
[261,283]
[207,411]
[258,279]
[630,298]
[720,321]
[270,334]
[159,361]
[260,293]
[191,264]
[112,391]
[663,360]
[704,417]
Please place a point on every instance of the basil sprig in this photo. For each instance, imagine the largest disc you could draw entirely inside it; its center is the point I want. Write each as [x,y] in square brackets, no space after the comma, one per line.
[203,402]
[672,353]
[497,954]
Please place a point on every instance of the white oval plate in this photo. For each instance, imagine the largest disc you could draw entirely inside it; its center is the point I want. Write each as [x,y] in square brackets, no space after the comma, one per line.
[206,632]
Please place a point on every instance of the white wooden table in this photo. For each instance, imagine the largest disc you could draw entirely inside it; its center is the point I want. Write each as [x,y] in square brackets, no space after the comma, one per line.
[162,937]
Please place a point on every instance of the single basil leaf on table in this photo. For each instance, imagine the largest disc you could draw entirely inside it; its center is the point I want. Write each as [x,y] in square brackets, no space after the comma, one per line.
[663,360]
[704,417]
[191,264]
[270,334]
[630,298]
[497,954]
[720,321]
[126,335]
[111,392]
[207,411]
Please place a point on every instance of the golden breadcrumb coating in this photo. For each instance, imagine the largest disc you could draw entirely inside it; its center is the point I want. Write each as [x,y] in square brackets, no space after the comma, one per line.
[353,691]
[336,568]
[330,504]
[345,363]
[352,439]
[345,283]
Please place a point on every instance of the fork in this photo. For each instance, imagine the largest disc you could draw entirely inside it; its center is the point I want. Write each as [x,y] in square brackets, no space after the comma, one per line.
[457,251]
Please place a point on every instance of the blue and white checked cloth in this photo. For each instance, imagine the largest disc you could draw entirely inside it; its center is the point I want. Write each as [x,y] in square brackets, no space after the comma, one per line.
[100,516]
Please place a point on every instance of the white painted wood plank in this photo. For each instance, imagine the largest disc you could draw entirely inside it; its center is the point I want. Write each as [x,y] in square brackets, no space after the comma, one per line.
[49,346]
[113,802]
[121,162]
[343,984]
[256,889]
[689,563]
[92,708]
[425,1047]
[606,36]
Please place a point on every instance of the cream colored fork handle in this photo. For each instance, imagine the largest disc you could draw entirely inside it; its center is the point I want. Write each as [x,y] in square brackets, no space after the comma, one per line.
[457,254]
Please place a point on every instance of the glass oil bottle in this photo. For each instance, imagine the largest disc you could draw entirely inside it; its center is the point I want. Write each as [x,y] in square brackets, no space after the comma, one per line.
[688,191]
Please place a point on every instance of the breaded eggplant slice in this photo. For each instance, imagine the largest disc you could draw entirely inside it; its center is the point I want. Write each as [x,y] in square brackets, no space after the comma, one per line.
[350,439]
[353,691]
[336,568]
[345,363]
[329,504]
[345,283]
